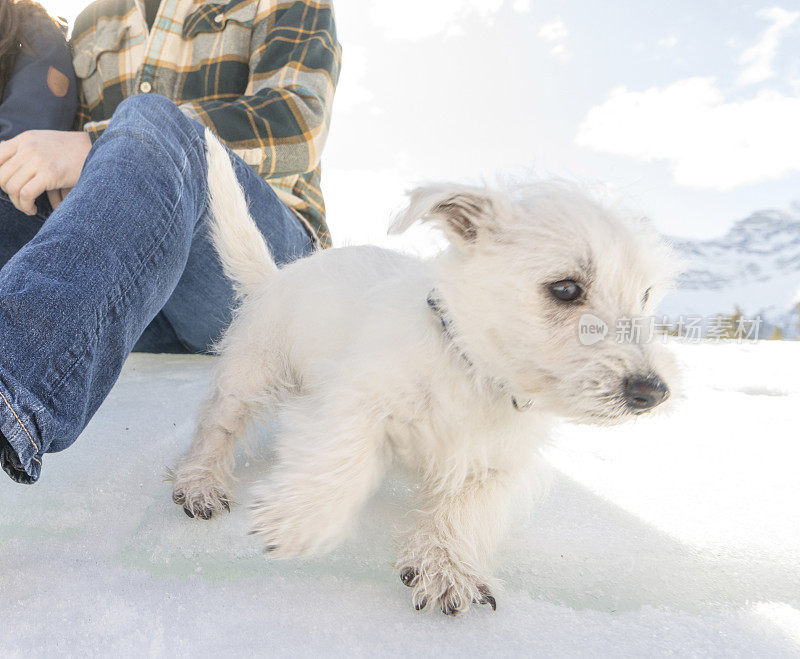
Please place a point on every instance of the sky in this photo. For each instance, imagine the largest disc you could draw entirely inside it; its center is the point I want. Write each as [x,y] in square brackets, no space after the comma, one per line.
[688,111]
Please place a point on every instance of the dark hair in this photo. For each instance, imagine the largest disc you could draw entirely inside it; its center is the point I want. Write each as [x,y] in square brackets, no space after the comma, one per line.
[14,16]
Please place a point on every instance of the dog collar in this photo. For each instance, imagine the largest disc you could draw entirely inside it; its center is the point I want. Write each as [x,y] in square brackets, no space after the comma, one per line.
[435,303]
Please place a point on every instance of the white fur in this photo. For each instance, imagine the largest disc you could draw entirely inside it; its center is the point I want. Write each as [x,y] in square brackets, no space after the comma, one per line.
[356,371]
[247,259]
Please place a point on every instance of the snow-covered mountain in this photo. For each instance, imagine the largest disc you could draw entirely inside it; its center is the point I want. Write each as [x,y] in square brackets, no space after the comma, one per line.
[755,266]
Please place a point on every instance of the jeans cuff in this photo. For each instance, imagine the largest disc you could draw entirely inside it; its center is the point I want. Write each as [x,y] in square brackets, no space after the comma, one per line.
[20,432]
[9,462]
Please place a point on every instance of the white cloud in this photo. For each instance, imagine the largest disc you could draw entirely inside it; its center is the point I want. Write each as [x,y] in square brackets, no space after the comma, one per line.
[556,33]
[361,204]
[352,91]
[521,6]
[555,30]
[419,19]
[757,60]
[709,141]
[669,41]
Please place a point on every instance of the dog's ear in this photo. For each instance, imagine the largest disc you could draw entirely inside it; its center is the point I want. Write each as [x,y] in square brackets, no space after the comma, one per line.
[463,213]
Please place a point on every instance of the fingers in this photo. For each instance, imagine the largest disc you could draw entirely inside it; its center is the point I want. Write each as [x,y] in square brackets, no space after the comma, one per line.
[17,169]
[33,149]
[9,168]
[15,185]
[7,149]
[57,196]
[29,192]
[40,160]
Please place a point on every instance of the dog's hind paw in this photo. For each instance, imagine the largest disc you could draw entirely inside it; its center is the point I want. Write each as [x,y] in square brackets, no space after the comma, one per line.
[200,496]
[291,523]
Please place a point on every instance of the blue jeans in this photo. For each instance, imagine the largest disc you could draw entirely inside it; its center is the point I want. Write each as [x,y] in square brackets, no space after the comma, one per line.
[124,263]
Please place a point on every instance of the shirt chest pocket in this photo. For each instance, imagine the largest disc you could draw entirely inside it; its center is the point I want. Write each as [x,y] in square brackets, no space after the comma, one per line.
[97,58]
[216,28]
[90,50]
[218,38]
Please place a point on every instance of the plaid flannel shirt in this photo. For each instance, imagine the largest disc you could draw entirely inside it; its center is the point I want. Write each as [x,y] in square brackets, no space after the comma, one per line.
[260,73]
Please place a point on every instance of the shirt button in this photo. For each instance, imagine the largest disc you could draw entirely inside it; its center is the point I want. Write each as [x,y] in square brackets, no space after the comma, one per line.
[145,87]
[218,18]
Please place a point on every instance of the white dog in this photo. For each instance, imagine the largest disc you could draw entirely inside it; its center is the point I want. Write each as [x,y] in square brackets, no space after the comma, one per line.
[453,368]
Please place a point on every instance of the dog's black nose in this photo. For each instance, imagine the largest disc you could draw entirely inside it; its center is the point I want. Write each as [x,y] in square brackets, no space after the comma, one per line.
[645,393]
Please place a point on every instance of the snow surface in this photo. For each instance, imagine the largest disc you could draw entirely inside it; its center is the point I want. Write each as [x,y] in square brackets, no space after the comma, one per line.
[677,535]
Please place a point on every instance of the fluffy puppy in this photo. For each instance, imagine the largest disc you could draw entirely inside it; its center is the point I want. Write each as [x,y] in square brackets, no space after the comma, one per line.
[453,367]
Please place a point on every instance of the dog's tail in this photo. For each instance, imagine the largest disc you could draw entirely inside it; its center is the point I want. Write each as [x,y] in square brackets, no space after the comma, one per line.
[242,250]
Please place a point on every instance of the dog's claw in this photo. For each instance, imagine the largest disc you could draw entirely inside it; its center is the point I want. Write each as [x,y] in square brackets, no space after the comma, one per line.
[449,602]
[449,610]
[486,598]
[194,511]
[409,576]
[270,548]
[202,507]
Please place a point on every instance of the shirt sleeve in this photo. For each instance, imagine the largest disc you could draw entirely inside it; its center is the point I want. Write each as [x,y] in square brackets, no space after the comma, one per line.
[280,124]
[41,93]
[94,128]
[83,120]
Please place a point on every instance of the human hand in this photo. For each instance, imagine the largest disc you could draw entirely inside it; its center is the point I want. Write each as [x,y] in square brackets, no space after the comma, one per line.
[57,196]
[38,161]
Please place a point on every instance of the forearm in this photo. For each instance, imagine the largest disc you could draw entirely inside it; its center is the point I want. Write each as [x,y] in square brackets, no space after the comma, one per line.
[279,132]
[280,122]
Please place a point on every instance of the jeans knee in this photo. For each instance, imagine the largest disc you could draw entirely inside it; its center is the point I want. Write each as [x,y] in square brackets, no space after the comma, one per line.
[151,108]
[156,117]
[155,129]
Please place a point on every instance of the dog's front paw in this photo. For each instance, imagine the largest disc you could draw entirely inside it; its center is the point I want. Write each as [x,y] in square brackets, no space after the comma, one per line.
[199,492]
[439,582]
[294,523]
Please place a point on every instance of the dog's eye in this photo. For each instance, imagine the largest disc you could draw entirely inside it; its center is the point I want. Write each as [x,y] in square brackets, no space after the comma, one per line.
[645,297]
[565,290]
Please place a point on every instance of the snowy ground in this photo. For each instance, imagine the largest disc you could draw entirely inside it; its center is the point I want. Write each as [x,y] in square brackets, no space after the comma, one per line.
[672,536]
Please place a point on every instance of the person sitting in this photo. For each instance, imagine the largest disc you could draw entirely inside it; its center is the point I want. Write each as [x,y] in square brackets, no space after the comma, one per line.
[37,82]
[124,261]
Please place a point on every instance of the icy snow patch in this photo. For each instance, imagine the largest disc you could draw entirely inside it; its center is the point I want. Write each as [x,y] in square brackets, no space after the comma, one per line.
[676,535]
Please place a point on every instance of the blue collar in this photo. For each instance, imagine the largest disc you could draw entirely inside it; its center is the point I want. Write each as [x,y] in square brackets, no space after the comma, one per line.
[435,303]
